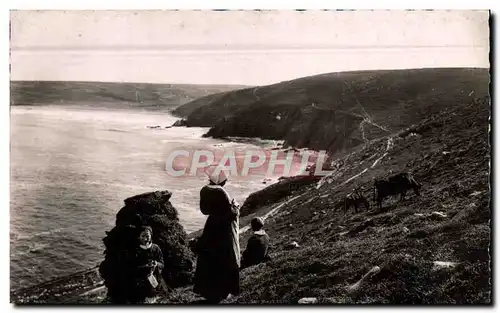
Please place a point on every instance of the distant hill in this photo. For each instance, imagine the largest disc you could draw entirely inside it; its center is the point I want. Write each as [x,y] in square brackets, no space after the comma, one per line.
[107,94]
[336,111]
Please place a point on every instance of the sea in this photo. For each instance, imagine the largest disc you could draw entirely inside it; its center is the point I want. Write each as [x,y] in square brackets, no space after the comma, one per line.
[71,168]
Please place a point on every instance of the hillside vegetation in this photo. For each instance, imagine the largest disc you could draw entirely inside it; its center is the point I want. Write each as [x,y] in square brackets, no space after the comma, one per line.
[428,249]
[431,249]
[98,94]
[336,111]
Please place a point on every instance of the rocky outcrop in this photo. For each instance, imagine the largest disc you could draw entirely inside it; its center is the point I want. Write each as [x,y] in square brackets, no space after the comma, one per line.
[179,123]
[153,209]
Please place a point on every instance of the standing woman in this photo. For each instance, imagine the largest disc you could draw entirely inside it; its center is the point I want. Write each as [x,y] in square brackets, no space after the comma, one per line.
[217,268]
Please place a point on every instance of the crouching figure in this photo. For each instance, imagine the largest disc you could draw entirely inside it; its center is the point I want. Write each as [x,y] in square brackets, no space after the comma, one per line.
[257,250]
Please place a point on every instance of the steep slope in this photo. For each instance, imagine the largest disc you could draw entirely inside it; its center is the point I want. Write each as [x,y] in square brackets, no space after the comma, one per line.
[152,96]
[449,155]
[336,111]
[432,249]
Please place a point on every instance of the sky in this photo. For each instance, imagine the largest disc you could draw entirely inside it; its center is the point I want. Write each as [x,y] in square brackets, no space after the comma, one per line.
[239,47]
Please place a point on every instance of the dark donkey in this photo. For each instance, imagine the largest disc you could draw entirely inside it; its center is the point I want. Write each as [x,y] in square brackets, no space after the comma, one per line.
[396,184]
[355,199]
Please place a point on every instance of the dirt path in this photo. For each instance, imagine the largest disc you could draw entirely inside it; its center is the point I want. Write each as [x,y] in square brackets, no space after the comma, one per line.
[390,144]
[255,94]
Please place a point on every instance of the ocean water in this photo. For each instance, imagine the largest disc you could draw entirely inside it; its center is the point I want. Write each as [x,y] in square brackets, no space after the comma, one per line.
[71,169]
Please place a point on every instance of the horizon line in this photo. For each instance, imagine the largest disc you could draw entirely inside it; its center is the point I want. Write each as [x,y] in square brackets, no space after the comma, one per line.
[201,47]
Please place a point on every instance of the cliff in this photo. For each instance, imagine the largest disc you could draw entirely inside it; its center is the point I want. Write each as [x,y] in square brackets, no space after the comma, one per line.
[336,111]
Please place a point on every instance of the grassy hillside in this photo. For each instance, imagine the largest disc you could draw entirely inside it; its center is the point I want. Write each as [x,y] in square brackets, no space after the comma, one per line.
[449,155]
[151,96]
[336,111]
[440,134]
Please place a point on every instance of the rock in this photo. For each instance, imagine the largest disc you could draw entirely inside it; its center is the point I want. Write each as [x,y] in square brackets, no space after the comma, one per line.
[443,264]
[155,210]
[292,245]
[438,214]
[180,123]
[308,301]
[154,127]
[333,300]
[355,287]
[146,205]
[361,227]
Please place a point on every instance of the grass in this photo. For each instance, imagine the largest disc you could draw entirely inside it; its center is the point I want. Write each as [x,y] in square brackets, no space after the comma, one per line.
[336,249]
[449,154]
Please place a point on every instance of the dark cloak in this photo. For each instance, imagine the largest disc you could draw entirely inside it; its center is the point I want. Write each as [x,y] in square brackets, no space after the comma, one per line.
[217,268]
[257,250]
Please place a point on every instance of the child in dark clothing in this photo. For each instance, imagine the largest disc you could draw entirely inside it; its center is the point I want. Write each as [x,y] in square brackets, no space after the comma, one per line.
[148,266]
[257,250]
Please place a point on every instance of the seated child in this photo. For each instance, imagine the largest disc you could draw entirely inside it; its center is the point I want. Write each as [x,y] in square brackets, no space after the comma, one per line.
[148,266]
[257,250]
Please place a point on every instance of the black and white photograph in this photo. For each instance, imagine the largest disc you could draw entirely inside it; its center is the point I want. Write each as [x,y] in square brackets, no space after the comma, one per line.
[269,157]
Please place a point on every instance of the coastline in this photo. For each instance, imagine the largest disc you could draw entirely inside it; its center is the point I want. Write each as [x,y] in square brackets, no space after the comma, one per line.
[85,285]
[73,287]
[339,247]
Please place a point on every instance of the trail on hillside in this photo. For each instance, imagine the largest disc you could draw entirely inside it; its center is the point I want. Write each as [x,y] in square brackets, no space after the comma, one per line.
[389,145]
[329,178]
[362,130]
[366,118]
[272,212]
[255,93]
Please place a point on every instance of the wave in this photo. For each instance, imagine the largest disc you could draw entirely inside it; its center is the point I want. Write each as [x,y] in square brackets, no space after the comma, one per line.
[38,234]
[36,247]
[117,130]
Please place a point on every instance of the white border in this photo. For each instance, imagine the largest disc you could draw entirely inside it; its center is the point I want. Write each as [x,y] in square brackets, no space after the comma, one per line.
[182,4]
[254,4]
